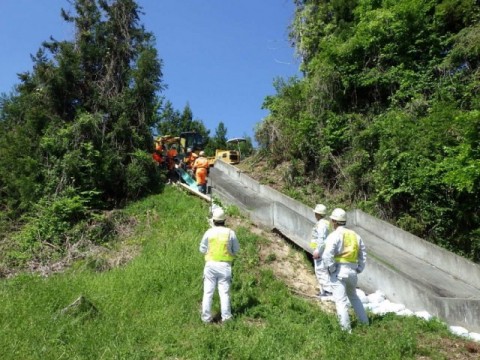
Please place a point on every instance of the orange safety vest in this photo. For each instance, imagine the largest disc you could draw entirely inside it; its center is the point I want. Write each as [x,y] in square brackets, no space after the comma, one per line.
[200,166]
[157,157]
[190,159]
[201,162]
[171,154]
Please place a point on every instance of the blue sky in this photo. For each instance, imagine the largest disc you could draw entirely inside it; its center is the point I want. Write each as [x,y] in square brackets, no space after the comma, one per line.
[220,56]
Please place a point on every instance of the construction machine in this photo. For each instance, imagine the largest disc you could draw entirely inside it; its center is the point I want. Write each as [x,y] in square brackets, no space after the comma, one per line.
[186,140]
[233,156]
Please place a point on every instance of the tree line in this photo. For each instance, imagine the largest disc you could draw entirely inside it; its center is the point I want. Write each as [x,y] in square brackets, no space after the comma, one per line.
[387,114]
[76,135]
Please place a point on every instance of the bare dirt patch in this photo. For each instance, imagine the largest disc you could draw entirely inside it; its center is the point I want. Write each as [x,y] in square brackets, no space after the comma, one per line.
[287,264]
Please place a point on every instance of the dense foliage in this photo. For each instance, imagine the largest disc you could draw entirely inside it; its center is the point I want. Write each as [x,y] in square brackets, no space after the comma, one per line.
[76,134]
[388,112]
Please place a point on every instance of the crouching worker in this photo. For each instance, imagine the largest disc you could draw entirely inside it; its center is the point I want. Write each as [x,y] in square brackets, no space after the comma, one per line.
[345,257]
[220,245]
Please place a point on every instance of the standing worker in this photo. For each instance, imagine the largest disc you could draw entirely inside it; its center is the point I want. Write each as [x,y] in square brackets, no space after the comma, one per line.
[220,245]
[319,234]
[189,159]
[345,257]
[159,153]
[172,154]
[200,169]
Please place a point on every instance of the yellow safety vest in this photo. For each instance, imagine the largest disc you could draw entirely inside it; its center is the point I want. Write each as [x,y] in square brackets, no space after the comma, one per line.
[328,224]
[218,245]
[349,252]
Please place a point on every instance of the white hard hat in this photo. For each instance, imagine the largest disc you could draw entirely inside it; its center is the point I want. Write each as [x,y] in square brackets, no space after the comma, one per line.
[218,214]
[189,149]
[201,153]
[320,209]
[339,215]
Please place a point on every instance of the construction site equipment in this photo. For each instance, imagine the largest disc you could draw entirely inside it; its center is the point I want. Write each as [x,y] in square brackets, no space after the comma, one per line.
[187,139]
[231,157]
[196,142]
[236,141]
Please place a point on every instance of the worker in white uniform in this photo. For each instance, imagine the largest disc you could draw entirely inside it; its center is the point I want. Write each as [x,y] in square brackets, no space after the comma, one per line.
[220,245]
[345,257]
[320,232]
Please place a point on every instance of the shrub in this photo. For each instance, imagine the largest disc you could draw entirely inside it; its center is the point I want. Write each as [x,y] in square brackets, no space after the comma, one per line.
[143,176]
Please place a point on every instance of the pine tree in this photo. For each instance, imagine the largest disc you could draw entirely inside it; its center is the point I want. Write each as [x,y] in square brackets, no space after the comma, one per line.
[81,120]
[172,122]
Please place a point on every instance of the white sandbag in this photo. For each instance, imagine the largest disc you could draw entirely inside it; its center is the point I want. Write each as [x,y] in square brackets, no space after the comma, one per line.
[362,296]
[458,330]
[424,315]
[393,307]
[405,312]
[377,297]
[474,336]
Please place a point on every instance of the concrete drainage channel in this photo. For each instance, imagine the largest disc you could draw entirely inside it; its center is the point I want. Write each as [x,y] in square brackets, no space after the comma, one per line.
[407,269]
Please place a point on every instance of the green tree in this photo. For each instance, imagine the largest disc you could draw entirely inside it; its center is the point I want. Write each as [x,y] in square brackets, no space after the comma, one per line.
[169,120]
[82,118]
[218,141]
[172,122]
[376,117]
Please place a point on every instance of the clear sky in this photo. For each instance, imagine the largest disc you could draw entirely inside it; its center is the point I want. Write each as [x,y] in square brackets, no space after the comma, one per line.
[220,56]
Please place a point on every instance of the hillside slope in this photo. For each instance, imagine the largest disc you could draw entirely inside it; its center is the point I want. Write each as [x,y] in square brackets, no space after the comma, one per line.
[148,308]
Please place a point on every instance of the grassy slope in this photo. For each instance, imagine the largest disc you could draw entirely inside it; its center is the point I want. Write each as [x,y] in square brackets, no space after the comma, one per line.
[149,309]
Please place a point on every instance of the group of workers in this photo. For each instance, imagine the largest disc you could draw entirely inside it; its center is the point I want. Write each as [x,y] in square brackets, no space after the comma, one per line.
[339,256]
[166,158]
[196,165]
[339,253]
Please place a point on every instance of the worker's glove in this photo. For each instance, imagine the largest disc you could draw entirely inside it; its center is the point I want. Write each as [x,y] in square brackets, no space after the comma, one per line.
[332,269]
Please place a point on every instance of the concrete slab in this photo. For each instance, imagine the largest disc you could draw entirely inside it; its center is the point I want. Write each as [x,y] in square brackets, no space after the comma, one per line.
[437,281]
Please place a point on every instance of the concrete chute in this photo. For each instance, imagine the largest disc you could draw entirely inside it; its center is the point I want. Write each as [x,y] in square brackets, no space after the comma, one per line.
[409,270]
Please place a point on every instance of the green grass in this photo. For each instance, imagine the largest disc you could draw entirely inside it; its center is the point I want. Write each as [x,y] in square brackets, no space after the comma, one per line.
[150,308]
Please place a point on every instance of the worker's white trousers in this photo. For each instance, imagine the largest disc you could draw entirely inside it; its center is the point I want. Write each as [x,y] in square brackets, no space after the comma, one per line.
[344,288]
[216,273]
[322,275]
